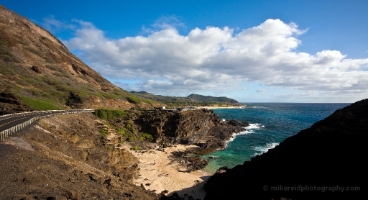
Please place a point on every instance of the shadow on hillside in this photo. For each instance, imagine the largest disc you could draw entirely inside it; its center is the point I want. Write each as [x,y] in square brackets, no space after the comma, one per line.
[194,192]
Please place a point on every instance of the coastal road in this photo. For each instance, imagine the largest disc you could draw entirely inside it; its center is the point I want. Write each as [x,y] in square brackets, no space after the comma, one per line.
[8,122]
[18,119]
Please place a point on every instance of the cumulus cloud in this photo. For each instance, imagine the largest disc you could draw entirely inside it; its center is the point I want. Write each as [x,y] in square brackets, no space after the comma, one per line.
[216,59]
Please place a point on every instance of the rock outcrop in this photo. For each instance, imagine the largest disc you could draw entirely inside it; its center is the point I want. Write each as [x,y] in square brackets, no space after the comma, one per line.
[11,104]
[324,161]
[201,127]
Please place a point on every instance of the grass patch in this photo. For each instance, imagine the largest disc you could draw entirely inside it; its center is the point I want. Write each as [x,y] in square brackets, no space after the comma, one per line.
[40,104]
[132,99]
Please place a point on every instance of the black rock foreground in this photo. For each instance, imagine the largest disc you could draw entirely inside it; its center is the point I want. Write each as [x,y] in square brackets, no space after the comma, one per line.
[325,161]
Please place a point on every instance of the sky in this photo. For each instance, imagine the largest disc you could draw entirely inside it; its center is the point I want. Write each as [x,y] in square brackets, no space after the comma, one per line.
[313,51]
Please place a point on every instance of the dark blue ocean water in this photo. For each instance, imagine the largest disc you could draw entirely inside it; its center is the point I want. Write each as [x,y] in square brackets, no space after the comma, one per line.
[270,124]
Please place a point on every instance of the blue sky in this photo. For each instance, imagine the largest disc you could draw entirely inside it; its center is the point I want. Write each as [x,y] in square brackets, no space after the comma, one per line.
[252,51]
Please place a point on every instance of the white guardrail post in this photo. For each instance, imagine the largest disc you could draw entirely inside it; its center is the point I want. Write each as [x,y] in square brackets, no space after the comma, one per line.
[6,133]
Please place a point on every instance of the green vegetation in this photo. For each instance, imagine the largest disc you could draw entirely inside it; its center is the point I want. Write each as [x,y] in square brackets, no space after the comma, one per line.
[136,148]
[146,137]
[133,99]
[122,132]
[109,114]
[103,132]
[40,104]
[129,127]
[126,130]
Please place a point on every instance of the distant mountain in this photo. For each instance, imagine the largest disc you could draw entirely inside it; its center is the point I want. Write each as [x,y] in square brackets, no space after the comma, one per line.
[37,71]
[202,98]
[191,99]
[325,161]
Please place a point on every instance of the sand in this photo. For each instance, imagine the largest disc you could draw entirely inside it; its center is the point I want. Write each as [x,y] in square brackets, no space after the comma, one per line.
[158,173]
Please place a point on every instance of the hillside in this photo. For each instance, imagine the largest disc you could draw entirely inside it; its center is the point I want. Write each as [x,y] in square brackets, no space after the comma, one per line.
[67,157]
[38,72]
[308,165]
[193,99]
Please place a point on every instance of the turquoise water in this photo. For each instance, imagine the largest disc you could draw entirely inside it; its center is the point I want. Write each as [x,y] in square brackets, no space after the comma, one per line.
[270,124]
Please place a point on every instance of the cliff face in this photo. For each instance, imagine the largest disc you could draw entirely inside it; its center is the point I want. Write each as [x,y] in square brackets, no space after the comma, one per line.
[329,154]
[201,127]
[41,72]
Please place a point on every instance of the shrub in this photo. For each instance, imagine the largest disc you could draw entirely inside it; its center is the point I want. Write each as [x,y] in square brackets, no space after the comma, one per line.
[74,100]
[103,132]
[123,132]
[146,137]
[108,114]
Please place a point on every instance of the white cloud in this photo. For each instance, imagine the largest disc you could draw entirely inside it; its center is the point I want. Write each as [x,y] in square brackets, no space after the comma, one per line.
[216,59]
[54,25]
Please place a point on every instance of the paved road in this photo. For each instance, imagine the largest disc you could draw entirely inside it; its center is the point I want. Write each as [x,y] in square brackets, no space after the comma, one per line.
[15,120]
[7,122]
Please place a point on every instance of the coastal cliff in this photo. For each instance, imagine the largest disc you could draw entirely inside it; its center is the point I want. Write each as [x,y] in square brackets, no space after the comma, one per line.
[79,156]
[326,160]
[200,127]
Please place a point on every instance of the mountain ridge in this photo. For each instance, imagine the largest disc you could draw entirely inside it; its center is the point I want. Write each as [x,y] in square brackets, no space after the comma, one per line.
[190,99]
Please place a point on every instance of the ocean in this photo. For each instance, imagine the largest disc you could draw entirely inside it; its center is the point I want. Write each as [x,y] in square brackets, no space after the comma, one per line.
[270,124]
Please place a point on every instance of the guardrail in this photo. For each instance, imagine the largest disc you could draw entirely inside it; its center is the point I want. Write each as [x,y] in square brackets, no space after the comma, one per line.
[6,133]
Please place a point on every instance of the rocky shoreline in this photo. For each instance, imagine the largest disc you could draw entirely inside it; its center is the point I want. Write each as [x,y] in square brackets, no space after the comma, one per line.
[201,127]
[90,158]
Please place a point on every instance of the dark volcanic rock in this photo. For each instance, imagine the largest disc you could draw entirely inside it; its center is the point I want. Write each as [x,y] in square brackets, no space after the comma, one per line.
[201,127]
[9,103]
[313,164]
[190,162]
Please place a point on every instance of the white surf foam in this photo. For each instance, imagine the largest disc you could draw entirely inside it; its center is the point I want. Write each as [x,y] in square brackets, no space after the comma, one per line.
[249,129]
[264,149]
[263,107]
[254,126]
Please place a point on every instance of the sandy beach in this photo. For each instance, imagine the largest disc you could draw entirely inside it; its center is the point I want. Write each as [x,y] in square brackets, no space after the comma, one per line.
[158,173]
